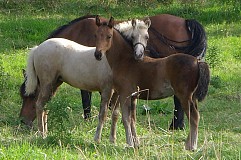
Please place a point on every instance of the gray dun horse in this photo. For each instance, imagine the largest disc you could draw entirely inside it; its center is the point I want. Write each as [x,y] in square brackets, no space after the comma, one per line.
[60,60]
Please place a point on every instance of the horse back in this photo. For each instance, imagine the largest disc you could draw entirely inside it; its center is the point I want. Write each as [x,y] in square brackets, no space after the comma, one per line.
[82,32]
[182,70]
[170,26]
[163,77]
[61,59]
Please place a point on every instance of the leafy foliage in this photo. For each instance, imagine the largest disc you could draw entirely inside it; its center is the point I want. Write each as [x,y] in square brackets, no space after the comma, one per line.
[213,57]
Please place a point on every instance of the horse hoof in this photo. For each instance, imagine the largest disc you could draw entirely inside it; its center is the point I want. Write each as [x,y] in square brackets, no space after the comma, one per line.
[112,140]
[41,134]
[86,116]
[97,140]
[28,124]
[136,143]
[190,147]
[176,127]
[129,147]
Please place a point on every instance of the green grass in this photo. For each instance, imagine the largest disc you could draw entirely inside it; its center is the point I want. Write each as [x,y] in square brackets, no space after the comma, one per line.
[23,25]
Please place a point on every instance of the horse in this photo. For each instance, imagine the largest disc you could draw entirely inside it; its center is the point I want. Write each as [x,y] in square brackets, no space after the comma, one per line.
[74,65]
[59,60]
[177,35]
[177,74]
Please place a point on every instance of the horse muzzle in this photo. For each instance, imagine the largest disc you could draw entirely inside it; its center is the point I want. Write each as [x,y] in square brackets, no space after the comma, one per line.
[139,57]
[139,50]
[26,122]
[98,55]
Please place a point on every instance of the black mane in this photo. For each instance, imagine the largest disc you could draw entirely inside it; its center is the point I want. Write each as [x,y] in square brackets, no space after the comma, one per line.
[61,28]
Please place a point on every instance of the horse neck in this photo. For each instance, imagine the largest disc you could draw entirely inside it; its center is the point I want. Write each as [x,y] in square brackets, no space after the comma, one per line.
[120,51]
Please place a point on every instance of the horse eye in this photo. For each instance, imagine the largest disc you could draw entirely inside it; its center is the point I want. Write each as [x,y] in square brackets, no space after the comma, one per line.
[109,37]
[147,37]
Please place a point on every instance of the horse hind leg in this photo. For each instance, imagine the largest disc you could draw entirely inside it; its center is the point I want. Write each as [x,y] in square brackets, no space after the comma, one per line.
[190,108]
[44,96]
[126,119]
[86,102]
[178,119]
[115,105]
[105,98]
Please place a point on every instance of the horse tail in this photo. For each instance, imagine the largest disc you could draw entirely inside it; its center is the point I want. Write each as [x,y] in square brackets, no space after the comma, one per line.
[31,77]
[198,42]
[203,82]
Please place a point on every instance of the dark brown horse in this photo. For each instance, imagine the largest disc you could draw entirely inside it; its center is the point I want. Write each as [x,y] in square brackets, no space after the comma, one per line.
[177,74]
[168,35]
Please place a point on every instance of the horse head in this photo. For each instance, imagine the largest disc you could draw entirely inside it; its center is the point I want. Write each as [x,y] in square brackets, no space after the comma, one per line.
[139,37]
[28,110]
[136,33]
[104,36]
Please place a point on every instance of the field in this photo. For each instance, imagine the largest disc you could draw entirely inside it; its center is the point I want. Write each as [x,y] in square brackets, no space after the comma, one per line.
[25,23]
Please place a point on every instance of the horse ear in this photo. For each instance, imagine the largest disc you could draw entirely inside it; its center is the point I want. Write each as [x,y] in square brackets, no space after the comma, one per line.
[147,22]
[133,22]
[111,22]
[97,20]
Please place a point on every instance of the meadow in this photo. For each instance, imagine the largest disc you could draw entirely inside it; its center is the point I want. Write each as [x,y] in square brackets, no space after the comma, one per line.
[25,23]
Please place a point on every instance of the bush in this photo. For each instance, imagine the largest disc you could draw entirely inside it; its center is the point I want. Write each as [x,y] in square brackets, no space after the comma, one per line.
[213,57]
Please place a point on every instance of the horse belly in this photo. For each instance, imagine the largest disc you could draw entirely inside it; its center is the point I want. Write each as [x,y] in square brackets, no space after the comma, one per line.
[83,80]
[159,92]
[87,74]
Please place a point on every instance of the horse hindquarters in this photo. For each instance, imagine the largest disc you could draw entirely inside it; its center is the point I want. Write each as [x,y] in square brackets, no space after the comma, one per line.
[183,72]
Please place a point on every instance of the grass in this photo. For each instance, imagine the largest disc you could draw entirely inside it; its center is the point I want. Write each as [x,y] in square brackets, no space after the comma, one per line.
[24,25]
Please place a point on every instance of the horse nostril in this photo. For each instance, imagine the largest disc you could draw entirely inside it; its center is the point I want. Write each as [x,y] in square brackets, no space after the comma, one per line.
[138,56]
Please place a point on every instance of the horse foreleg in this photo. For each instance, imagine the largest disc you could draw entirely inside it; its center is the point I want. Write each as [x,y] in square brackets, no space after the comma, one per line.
[43,98]
[115,114]
[126,119]
[105,98]
[39,113]
[86,102]
[45,117]
[133,121]
[41,117]
[190,108]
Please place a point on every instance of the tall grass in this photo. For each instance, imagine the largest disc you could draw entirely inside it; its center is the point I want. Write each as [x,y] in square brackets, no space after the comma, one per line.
[27,23]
